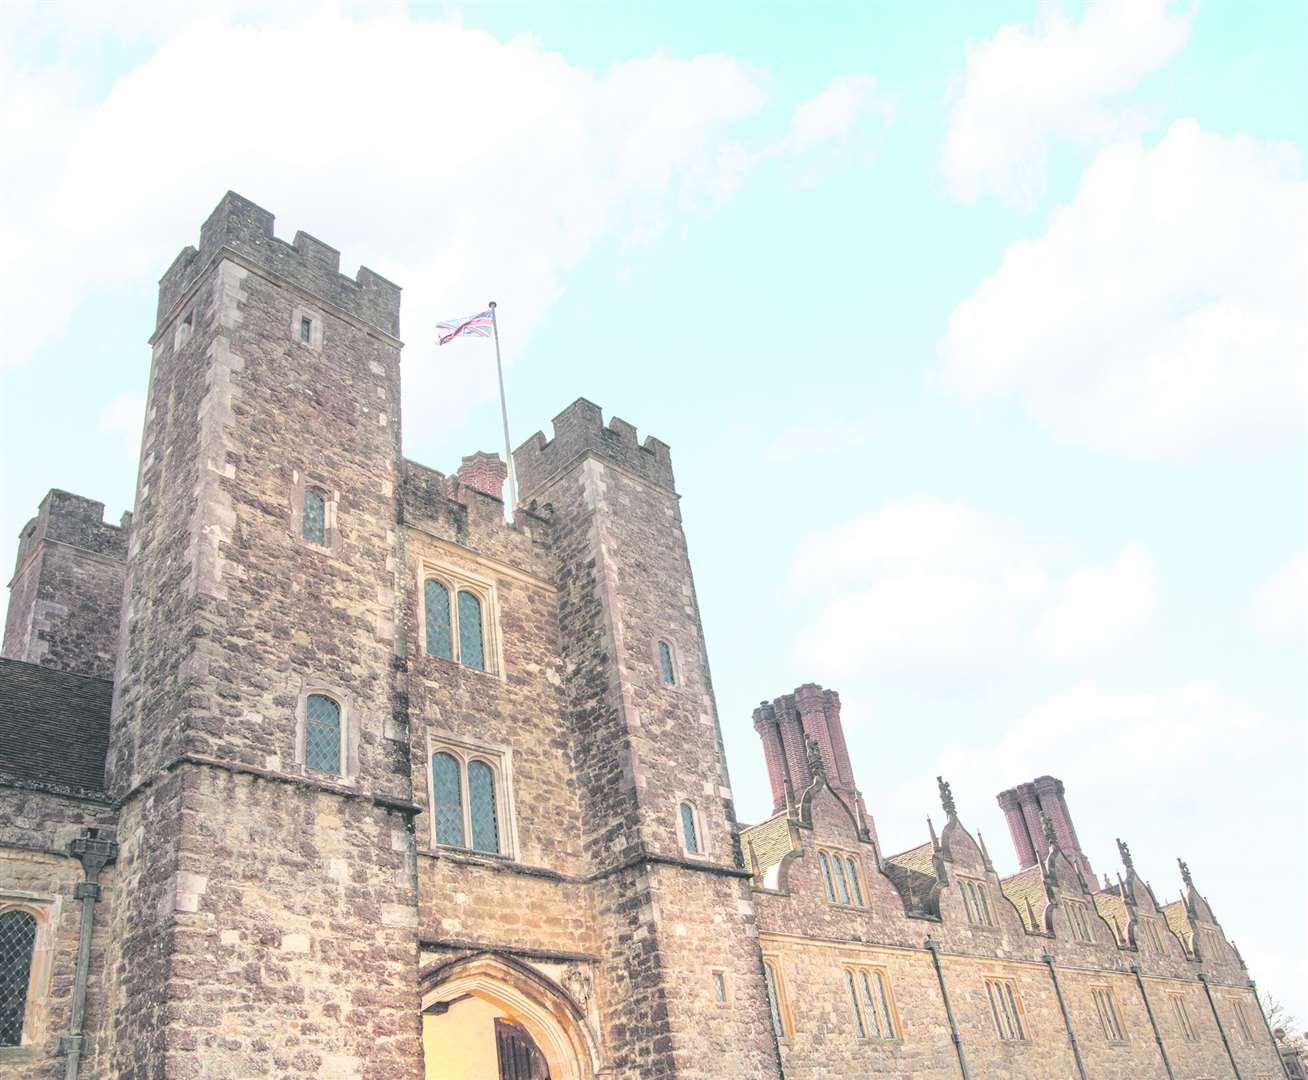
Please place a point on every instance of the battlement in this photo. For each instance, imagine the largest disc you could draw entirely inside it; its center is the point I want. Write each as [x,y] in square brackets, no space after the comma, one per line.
[77,521]
[238,225]
[579,429]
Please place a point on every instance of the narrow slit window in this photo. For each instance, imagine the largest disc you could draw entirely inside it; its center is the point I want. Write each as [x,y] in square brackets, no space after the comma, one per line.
[471,650]
[719,988]
[436,609]
[481,807]
[774,999]
[306,330]
[1005,1011]
[665,664]
[17,943]
[322,735]
[883,993]
[981,893]
[873,1020]
[448,787]
[842,887]
[1109,1020]
[315,517]
[688,832]
[1183,1018]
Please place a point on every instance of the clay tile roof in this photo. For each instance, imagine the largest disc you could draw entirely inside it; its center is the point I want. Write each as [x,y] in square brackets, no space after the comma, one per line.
[54,728]
[1028,884]
[919,858]
[766,843]
[1178,919]
[1113,909]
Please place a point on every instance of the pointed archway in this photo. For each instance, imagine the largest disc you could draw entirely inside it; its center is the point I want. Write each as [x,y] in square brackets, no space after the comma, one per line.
[469,1002]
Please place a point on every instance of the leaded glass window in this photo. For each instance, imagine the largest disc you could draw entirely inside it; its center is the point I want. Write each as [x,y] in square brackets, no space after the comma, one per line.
[315,517]
[688,831]
[436,610]
[17,940]
[883,992]
[448,786]
[322,734]
[825,864]
[854,886]
[471,651]
[859,1029]
[869,1005]
[481,807]
[842,888]
[665,664]
[774,1001]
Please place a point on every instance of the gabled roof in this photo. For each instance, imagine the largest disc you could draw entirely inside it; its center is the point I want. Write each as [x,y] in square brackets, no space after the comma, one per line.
[1028,884]
[1179,920]
[1113,910]
[920,858]
[54,728]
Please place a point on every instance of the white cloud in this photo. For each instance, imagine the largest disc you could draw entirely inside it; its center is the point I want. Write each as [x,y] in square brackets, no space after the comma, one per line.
[836,112]
[1161,313]
[458,165]
[123,417]
[1279,608]
[937,594]
[819,439]
[1026,88]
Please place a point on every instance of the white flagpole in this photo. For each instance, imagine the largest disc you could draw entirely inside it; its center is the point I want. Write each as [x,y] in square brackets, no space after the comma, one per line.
[504,415]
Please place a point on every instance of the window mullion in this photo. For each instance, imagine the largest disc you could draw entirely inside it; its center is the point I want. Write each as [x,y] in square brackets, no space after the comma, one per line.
[465,799]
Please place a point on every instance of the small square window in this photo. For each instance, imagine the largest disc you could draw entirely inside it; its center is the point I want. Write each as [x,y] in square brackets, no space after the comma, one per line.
[306,330]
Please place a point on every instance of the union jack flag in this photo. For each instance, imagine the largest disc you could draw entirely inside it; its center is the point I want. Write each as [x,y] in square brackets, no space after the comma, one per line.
[478,325]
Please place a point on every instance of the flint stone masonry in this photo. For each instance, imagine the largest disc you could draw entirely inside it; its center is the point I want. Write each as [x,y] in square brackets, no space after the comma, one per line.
[266,919]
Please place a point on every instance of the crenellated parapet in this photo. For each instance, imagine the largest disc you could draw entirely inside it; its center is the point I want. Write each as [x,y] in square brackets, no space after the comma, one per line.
[579,430]
[246,230]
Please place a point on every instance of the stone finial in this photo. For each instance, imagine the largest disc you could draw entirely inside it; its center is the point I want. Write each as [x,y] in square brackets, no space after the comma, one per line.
[815,763]
[931,829]
[946,797]
[1185,872]
[1047,824]
[1125,852]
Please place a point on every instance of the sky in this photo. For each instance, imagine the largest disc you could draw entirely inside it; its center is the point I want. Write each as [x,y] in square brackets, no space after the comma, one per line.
[977,331]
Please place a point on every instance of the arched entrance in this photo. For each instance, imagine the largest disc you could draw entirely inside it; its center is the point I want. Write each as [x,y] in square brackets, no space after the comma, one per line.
[488,1017]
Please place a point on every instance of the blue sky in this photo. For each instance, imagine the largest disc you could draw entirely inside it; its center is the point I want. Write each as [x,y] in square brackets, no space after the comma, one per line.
[977,331]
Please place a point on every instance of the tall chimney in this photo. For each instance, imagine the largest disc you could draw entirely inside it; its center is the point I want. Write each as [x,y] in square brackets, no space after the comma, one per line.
[485,472]
[1023,806]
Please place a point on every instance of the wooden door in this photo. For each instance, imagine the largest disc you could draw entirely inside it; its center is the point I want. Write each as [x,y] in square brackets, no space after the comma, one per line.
[519,1058]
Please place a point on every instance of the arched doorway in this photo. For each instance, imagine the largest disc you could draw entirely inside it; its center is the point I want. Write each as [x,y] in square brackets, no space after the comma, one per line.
[488,1017]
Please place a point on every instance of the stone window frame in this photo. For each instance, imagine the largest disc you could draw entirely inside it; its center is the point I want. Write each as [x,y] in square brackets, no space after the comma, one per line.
[700,835]
[1153,935]
[980,916]
[718,979]
[849,863]
[1212,942]
[301,482]
[349,773]
[1078,917]
[853,976]
[456,580]
[1016,1029]
[674,656]
[1236,1003]
[1181,1013]
[46,909]
[316,324]
[500,759]
[1109,1012]
[783,1016]
[184,330]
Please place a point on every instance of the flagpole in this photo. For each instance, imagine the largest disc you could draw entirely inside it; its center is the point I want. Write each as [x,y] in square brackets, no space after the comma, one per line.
[504,415]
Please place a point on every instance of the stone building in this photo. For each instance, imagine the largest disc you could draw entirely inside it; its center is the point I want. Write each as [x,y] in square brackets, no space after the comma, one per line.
[316,766]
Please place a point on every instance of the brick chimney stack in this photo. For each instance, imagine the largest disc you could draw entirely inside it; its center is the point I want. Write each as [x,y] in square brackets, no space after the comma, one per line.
[485,472]
[785,724]
[1022,807]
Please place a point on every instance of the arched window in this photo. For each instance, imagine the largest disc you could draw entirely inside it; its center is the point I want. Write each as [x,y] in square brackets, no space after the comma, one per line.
[776,1000]
[854,886]
[666,669]
[481,807]
[985,905]
[689,836]
[825,864]
[436,606]
[322,735]
[448,785]
[842,888]
[859,1028]
[472,653]
[314,528]
[17,942]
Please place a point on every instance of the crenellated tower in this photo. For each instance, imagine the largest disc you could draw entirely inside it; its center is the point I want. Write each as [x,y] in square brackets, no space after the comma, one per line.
[658,824]
[265,852]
